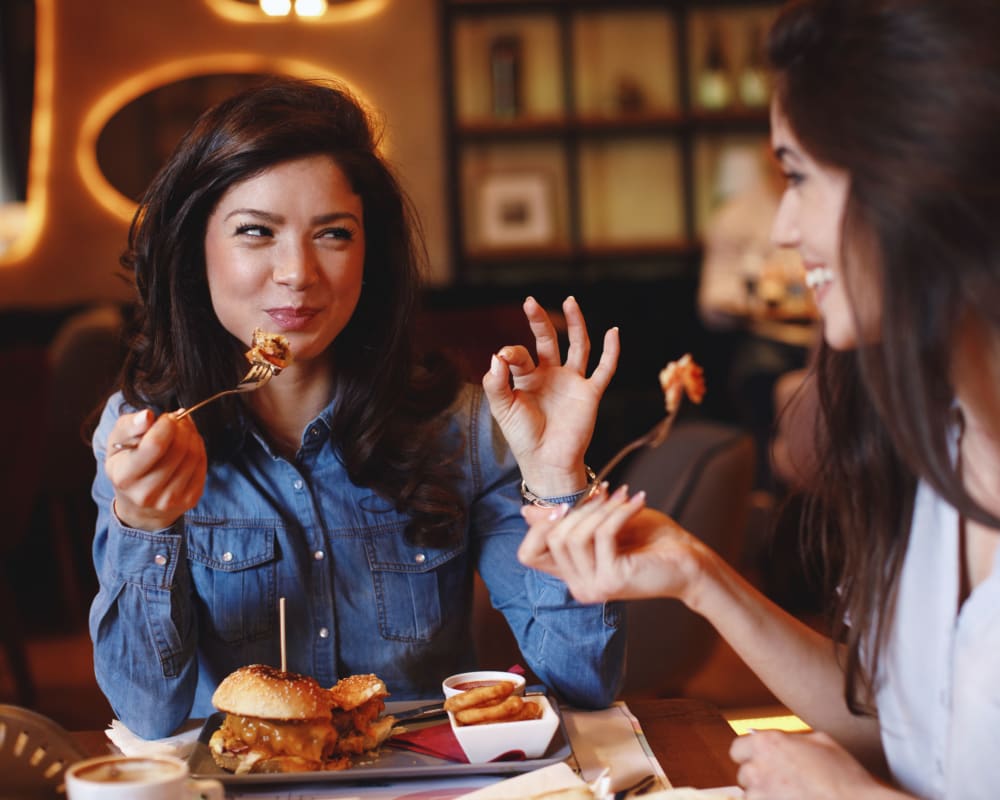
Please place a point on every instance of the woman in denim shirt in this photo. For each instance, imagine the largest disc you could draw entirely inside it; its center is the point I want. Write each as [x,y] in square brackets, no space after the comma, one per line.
[362,484]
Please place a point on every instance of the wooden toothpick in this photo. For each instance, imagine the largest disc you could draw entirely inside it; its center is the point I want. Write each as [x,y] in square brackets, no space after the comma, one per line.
[281,618]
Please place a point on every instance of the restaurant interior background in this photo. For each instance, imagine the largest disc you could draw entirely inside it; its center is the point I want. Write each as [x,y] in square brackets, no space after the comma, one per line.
[551,148]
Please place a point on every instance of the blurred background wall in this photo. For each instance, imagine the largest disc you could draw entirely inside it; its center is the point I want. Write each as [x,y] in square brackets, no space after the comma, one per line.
[92,57]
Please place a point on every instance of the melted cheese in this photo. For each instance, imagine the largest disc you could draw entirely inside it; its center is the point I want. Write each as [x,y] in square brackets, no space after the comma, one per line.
[311,739]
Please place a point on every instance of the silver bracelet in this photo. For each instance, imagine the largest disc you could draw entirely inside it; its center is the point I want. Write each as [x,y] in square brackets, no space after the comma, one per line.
[551,502]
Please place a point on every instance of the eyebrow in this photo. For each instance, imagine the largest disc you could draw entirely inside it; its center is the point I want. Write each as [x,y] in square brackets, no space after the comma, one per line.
[276,219]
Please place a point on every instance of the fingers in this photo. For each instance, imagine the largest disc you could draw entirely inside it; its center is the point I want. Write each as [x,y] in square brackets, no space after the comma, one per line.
[580,547]
[579,341]
[496,387]
[128,431]
[162,477]
[605,369]
[546,339]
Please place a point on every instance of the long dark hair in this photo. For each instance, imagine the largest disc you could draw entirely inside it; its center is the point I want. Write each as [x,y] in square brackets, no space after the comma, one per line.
[905,96]
[388,411]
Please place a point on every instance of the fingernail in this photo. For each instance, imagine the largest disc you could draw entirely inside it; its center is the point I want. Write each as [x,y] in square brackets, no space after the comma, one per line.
[621,491]
[559,511]
[141,421]
[639,498]
[495,367]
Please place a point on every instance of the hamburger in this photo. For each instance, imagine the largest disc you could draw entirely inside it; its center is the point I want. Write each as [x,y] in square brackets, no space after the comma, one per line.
[275,722]
[285,722]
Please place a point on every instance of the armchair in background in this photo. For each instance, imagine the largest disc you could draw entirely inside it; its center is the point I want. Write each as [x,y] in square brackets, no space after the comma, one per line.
[702,476]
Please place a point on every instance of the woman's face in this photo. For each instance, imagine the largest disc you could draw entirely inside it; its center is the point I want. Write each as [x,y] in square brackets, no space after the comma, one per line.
[285,252]
[809,219]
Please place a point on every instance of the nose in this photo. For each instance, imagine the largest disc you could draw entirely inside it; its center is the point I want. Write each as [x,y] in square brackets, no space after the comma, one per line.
[785,227]
[296,266]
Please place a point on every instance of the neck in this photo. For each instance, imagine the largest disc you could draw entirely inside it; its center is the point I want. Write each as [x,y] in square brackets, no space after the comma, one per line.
[291,401]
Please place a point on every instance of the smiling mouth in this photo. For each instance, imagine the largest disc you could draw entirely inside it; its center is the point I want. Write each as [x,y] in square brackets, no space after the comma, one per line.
[818,276]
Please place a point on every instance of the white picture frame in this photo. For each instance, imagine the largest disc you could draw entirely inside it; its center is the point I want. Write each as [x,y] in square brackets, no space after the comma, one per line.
[515,210]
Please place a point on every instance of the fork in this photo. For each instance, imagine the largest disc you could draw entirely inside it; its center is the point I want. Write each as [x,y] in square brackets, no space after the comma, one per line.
[656,436]
[260,372]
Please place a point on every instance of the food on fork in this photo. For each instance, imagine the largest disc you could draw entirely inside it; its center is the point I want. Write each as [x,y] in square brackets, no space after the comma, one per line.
[285,722]
[682,375]
[269,348]
[275,722]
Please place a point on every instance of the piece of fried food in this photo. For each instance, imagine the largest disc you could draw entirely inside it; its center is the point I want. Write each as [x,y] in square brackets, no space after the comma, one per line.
[479,696]
[682,375]
[269,348]
[505,711]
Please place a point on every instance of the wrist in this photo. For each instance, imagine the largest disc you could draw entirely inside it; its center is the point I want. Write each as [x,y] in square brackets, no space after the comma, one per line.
[703,578]
[137,519]
[549,497]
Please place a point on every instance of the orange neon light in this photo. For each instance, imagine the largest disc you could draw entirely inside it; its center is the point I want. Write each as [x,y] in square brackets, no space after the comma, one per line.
[40,158]
[140,83]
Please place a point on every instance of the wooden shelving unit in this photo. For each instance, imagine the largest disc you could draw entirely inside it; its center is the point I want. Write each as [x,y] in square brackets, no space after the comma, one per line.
[603,166]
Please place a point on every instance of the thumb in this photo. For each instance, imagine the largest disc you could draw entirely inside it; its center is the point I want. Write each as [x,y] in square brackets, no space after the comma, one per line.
[141,422]
[496,386]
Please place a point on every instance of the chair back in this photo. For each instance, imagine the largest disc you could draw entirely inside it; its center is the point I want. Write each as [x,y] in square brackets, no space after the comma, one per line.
[702,477]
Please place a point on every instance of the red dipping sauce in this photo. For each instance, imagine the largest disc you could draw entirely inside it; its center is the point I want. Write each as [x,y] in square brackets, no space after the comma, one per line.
[464,687]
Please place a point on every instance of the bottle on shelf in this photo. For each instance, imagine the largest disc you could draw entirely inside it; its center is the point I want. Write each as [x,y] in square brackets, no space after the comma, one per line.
[714,88]
[753,87]
[505,76]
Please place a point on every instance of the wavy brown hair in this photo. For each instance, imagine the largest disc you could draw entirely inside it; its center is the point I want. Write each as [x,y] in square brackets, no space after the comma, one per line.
[905,96]
[389,410]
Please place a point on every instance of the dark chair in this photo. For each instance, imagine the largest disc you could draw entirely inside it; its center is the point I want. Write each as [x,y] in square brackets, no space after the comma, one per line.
[701,476]
[84,358]
[23,401]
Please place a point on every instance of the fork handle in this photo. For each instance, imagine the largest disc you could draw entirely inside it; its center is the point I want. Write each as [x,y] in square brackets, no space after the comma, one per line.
[205,402]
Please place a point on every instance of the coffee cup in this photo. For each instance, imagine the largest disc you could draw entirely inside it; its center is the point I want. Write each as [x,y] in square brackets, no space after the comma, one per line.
[137,778]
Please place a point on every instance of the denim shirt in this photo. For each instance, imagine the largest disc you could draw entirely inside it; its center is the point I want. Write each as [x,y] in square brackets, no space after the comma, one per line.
[179,609]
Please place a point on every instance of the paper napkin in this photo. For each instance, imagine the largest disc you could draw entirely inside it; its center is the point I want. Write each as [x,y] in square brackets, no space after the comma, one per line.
[179,745]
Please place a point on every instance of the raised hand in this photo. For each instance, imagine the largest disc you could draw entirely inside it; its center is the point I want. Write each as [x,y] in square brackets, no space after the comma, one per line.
[162,477]
[548,415]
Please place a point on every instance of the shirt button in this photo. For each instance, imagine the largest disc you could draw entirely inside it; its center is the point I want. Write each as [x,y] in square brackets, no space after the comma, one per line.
[227,557]
[160,559]
[314,432]
[324,633]
[297,485]
[420,558]
[319,555]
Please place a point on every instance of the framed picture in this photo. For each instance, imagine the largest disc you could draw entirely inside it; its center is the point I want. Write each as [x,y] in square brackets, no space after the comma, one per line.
[515,209]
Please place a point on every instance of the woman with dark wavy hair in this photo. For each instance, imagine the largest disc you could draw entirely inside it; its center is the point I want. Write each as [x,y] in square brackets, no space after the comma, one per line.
[362,483]
[886,122]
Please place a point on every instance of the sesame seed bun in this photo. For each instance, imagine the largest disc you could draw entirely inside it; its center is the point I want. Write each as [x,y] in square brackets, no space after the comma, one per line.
[262,691]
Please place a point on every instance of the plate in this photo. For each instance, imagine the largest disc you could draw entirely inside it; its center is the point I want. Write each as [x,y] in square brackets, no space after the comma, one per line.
[390,764]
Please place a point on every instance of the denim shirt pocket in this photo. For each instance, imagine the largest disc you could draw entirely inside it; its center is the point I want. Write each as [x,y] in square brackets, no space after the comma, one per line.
[234,569]
[414,584]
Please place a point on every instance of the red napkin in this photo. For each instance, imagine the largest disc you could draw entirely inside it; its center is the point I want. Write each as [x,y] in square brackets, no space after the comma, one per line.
[439,741]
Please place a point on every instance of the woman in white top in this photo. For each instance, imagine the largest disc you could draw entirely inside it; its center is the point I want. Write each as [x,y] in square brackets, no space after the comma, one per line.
[886,122]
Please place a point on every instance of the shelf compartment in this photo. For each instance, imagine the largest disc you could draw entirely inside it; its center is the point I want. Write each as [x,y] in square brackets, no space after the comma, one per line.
[538,79]
[623,63]
[630,193]
[514,195]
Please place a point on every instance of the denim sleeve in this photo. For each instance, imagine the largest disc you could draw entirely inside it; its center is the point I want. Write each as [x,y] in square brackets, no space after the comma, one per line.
[142,621]
[577,650]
